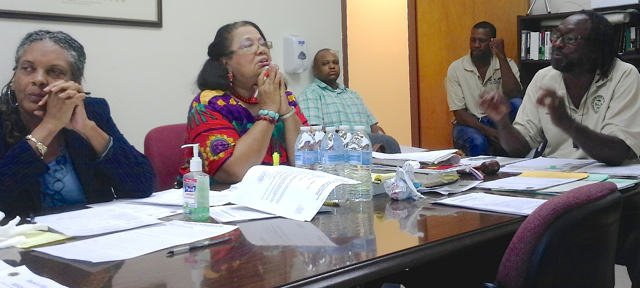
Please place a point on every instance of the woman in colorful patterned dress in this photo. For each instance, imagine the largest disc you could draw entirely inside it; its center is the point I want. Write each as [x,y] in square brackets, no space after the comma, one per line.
[244,113]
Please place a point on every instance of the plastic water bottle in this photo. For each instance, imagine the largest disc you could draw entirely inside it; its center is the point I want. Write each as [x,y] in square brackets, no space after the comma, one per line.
[306,151]
[332,150]
[345,134]
[318,134]
[358,166]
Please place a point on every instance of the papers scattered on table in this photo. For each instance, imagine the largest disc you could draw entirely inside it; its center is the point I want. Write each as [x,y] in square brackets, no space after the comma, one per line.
[455,187]
[623,170]
[133,243]
[21,276]
[37,238]
[174,197]
[155,211]
[95,221]
[532,181]
[286,191]
[281,232]
[548,164]
[476,161]
[235,213]
[427,158]
[494,203]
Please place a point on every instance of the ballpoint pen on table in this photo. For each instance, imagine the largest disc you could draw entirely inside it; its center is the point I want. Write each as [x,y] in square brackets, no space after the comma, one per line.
[196,246]
[478,158]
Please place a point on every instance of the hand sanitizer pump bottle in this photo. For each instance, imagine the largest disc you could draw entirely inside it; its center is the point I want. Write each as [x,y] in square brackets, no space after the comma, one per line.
[196,189]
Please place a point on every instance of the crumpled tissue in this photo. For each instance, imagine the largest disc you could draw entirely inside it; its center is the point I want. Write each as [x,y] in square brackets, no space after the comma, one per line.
[11,234]
[401,186]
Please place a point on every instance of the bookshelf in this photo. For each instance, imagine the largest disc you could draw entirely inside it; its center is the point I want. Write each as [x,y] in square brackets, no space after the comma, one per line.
[543,22]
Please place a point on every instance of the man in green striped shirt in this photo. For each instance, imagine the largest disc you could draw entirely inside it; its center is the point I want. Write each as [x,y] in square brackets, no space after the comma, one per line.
[328,103]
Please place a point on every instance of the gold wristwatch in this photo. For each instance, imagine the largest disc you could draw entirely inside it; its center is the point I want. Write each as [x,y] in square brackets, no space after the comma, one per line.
[41,147]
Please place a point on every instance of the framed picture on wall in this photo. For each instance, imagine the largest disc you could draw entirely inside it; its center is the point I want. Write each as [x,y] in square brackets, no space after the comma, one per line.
[116,12]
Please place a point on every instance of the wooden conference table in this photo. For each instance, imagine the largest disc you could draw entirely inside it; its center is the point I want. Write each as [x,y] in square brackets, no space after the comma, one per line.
[376,242]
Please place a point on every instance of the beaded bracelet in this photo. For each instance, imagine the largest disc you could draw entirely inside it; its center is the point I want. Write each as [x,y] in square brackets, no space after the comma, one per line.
[269,113]
[267,118]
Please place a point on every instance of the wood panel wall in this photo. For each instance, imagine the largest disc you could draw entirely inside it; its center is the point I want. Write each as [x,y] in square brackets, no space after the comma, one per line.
[442,30]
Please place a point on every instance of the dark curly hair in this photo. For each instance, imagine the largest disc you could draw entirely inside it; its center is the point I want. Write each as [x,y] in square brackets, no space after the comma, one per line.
[13,127]
[213,75]
[601,42]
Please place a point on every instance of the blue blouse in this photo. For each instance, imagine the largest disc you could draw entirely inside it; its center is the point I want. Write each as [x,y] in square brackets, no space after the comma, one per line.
[60,185]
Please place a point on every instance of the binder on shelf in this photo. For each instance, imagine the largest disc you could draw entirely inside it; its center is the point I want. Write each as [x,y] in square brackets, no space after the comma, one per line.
[535,46]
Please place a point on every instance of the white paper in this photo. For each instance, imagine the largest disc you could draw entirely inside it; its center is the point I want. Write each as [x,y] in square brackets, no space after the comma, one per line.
[134,243]
[4,265]
[95,221]
[234,213]
[478,160]
[494,203]
[548,164]
[430,156]
[174,197]
[286,191]
[623,170]
[455,187]
[524,183]
[22,277]
[155,211]
[283,232]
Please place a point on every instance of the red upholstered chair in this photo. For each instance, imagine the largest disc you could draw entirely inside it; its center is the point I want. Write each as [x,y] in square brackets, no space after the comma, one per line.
[162,146]
[569,241]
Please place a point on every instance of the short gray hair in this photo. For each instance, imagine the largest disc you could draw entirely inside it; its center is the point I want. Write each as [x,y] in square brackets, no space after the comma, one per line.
[75,50]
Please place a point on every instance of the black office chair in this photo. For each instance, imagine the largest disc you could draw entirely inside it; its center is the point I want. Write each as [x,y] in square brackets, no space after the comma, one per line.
[569,241]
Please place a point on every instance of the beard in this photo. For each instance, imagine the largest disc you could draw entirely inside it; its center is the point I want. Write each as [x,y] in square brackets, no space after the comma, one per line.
[565,64]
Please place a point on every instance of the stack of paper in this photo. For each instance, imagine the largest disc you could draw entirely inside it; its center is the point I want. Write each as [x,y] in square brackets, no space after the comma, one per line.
[425,158]
[532,181]
[548,164]
[494,203]
[630,170]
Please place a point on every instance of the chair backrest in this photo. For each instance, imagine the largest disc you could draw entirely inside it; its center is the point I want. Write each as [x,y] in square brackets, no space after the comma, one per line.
[162,146]
[569,241]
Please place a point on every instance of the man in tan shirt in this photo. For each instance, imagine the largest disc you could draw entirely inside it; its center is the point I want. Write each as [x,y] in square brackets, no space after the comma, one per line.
[485,68]
[585,105]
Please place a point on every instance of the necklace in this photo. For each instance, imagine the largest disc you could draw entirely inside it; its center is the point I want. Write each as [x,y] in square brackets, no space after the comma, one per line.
[253,99]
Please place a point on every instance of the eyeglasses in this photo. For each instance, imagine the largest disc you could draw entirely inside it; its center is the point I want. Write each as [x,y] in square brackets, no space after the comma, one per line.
[566,38]
[253,47]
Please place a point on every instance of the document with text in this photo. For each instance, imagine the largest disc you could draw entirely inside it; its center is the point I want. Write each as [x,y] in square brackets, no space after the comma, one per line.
[94,221]
[137,242]
[286,191]
[494,203]
[22,277]
[235,213]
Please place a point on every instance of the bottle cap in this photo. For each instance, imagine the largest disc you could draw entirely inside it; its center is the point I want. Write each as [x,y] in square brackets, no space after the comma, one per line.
[330,129]
[305,128]
[316,127]
[196,163]
[359,128]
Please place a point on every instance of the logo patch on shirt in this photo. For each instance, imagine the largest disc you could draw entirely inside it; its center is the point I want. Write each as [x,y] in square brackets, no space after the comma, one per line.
[596,103]
[494,81]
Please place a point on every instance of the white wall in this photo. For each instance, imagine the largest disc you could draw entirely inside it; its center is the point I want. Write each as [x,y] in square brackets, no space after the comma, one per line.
[557,6]
[148,74]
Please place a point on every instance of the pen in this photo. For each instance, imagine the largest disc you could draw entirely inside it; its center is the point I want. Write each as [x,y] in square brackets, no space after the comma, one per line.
[196,246]
[276,159]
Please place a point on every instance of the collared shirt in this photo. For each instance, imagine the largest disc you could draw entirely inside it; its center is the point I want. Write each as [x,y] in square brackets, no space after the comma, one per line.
[610,107]
[464,84]
[322,105]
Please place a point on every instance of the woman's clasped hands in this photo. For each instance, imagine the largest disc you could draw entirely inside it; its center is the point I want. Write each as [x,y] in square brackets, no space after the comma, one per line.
[271,90]
[64,105]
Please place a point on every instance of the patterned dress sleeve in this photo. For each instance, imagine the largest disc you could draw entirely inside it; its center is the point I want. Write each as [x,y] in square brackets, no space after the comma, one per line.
[215,135]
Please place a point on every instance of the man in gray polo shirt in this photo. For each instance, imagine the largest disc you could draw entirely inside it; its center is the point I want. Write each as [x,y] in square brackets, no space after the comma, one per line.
[485,68]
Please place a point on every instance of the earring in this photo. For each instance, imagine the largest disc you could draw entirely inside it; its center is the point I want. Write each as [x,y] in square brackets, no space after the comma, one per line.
[6,92]
[230,76]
